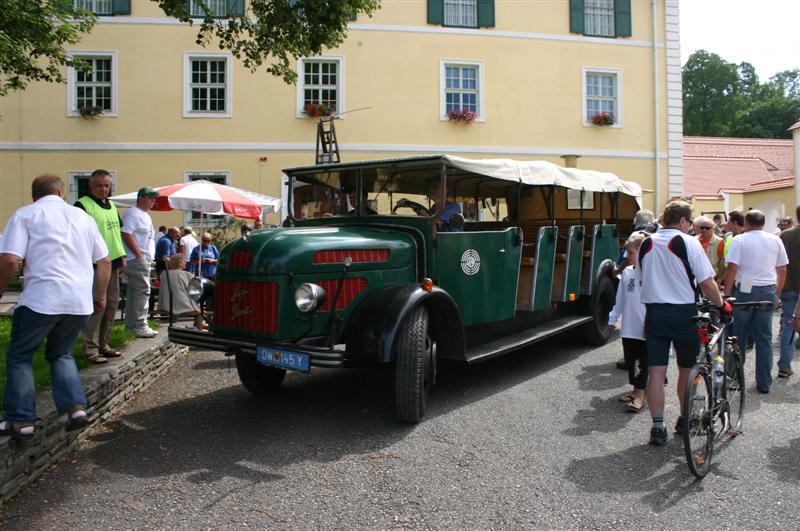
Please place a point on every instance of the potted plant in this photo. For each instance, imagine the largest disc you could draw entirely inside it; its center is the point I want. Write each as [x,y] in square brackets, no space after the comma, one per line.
[315,110]
[91,112]
[604,118]
[461,115]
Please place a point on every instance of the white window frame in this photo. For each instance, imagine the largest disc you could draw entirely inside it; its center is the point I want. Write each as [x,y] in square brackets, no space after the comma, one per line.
[187,84]
[443,64]
[207,222]
[72,105]
[593,70]
[460,6]
[93,2]
[74,175]
[340,106]
[612,22]
[193,12]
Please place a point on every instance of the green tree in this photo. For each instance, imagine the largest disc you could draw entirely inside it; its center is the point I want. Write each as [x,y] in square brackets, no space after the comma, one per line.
[709,86]
[33,34]
[272,33]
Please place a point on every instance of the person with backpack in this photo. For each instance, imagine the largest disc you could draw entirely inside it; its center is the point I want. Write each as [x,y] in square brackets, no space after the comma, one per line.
[672,267]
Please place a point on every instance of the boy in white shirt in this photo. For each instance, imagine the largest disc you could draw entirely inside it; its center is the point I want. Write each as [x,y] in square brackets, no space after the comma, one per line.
[629,306]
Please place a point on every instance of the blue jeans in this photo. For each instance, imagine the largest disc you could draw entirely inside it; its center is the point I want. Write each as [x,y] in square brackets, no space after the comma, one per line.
[789,301]
[756,323]
[28,330]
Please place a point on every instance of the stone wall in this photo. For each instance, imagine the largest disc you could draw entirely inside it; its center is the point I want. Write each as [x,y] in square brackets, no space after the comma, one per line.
[107,388]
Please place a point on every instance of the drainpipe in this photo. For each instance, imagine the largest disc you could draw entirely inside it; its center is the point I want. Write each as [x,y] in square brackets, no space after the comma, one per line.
[571,161]
[656,108]
[795,129]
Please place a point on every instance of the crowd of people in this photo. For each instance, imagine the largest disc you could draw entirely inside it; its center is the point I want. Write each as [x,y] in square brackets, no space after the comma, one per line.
[74,262]
[668,265]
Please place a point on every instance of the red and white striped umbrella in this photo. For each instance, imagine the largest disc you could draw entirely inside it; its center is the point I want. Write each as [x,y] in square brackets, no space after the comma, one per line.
[209,198]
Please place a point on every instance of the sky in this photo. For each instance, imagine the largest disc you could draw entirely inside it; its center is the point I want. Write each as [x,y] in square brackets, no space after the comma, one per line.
[764,33]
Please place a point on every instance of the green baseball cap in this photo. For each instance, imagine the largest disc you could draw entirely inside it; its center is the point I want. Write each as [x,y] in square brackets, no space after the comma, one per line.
[146,191]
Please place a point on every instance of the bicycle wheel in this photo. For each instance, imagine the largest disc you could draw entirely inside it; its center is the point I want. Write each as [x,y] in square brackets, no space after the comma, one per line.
[698,433]
[734,389]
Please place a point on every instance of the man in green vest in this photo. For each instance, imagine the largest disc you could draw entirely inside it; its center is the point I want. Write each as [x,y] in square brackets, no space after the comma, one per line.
[104,212]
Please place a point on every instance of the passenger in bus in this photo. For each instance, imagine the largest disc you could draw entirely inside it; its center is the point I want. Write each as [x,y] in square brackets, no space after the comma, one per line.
[450,215]
[629,306]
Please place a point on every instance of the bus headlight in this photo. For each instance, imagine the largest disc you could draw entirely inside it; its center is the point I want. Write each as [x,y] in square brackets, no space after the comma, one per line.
[200,289]
[307,297]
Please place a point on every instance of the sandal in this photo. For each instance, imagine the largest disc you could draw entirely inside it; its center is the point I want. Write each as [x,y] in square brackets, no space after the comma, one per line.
[97,359]
[111,353]
[21,431]
[634,407]
[77,419]
[626,397]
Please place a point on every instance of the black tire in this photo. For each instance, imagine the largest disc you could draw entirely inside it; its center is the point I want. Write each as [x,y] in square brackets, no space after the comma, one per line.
[413,366]
[256,378]
[697,414]
[596,332]
[734,391]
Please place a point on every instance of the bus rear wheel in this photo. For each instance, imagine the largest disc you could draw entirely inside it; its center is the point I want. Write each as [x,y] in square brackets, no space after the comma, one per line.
[596,332]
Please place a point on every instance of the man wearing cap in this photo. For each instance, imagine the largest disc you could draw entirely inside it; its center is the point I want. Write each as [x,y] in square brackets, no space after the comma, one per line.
[104,213]
[138,236]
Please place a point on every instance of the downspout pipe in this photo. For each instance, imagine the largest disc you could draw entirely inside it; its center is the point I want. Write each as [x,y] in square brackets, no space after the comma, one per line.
[656,108]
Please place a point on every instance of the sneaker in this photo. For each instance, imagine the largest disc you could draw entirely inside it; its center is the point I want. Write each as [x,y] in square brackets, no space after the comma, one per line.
[679,426]
[785,374]
[145,332]
[658,436]
[763,390]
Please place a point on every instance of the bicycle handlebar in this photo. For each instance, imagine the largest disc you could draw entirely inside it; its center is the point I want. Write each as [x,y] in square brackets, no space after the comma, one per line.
[705,305]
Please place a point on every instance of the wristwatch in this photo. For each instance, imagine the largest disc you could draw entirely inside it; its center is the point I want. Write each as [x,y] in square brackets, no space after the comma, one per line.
[795,317]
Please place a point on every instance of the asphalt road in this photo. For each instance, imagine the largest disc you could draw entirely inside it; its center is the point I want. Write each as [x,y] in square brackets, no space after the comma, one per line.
[536,439]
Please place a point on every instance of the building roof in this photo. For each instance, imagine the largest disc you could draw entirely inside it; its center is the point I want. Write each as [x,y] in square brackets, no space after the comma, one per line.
[711,164]
[772,184]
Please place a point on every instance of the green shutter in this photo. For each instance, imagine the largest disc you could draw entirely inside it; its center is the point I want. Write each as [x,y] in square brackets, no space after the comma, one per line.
[435,11]
[121,7]
[577,16]
[235,8]
[485,13]
[622,18]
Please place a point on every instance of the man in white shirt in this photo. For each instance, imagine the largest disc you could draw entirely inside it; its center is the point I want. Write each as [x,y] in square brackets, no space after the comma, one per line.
[59,244]
[671,262]
[140,247]
[187,244]
[756,263]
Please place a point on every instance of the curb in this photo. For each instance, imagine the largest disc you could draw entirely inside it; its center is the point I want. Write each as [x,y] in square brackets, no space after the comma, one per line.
[108,387]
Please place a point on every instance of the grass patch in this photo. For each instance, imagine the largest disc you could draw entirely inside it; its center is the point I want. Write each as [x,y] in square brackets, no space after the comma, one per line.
[41,369]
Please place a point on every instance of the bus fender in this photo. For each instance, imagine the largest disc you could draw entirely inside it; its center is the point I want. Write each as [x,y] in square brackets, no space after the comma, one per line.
[372,329]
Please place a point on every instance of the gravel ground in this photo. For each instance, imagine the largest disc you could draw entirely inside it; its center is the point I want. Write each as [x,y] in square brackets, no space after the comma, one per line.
[536,439]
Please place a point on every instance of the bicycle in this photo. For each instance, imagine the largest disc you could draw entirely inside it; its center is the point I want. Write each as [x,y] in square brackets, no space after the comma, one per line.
[714,399]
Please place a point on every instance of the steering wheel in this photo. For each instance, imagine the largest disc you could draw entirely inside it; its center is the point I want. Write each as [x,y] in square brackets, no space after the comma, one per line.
[405,203]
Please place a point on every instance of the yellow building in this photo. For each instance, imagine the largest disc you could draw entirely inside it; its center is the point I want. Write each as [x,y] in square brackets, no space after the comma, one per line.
[534,74]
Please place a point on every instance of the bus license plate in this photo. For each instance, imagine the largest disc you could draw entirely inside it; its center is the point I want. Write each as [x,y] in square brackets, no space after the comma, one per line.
[285,359]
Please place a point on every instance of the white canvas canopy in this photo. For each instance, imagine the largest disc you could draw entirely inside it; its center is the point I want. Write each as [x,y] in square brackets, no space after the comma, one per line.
[539,172]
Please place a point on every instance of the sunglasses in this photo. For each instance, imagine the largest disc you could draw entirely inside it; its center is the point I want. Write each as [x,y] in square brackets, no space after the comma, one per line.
[705,228]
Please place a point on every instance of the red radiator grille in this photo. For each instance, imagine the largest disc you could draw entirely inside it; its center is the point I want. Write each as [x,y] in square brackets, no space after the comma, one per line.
[241,260]
[351,287]
[357,255]
[249,306]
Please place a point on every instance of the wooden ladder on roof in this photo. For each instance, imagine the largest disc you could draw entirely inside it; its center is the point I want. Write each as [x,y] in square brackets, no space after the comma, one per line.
[327,145]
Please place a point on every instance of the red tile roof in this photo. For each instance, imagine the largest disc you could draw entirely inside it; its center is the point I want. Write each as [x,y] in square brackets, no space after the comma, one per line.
[711,164]
[772,184]
[707,175]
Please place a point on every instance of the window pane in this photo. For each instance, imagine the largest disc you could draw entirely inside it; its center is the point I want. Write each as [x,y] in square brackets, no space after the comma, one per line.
[320,83]
[461,88]
[599,17]
[461,12]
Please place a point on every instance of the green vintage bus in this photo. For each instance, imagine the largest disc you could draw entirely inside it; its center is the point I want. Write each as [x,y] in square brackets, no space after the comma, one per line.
[369,270]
